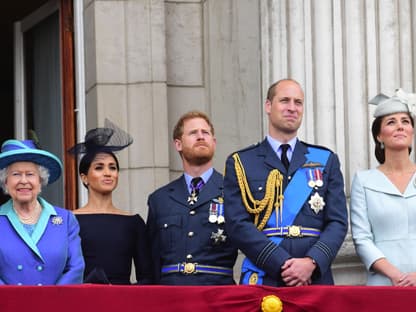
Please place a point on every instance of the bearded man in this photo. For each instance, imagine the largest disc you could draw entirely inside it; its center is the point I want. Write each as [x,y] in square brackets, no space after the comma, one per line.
[185,224]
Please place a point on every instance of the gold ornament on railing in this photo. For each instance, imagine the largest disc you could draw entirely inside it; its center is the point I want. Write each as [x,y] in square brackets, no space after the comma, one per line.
[271,303]
[273,197]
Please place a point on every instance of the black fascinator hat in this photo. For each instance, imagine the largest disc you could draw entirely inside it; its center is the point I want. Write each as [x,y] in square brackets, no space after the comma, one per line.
[110,138]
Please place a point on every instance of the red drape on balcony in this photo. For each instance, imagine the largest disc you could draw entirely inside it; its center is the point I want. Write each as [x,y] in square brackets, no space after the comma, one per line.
[104,298]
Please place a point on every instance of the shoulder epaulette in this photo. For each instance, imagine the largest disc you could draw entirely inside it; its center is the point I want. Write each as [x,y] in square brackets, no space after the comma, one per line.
[317,146]
[247,148]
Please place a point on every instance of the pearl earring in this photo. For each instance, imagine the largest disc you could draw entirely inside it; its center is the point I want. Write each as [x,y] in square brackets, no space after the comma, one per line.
[382,145]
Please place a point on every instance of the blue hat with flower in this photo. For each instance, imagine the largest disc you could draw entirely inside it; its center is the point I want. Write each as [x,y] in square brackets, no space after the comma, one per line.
[400,102]
[15,150]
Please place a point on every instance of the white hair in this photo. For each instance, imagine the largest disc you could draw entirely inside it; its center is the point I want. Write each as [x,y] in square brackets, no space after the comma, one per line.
[43,174]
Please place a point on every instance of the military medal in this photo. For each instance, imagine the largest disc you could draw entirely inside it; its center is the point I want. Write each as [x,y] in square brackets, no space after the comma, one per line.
[316,202]
[196,185]
[193,198]
[213,212]
[212,218]
[319,180]
[221,218]
[218,237]
[311,178]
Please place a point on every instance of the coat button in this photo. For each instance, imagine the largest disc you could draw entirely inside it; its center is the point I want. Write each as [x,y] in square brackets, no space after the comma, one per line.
[190,234]
[19,267]
[39,268]
[189,257]
[192,212]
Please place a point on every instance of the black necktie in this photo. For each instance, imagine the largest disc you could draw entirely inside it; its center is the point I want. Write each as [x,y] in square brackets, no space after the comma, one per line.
[196,184]
[283,157]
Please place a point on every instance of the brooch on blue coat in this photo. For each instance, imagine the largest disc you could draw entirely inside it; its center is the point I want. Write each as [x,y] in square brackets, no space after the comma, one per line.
[57,220]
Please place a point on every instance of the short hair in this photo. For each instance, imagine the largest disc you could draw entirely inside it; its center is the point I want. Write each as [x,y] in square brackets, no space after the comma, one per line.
[271,92]
[178,130]
[88,158]
[375,130]
[43,174]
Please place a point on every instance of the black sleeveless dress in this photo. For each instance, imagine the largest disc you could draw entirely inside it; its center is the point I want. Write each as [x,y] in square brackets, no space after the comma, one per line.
[110,243]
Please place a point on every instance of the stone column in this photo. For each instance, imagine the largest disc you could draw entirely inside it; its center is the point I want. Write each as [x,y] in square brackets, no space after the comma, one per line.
[126,82]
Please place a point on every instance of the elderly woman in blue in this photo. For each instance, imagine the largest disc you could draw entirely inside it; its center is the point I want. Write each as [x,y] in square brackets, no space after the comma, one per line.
[39,242]
[383,199]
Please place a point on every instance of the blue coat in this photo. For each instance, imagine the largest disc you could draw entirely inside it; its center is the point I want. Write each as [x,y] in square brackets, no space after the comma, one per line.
[332,220]
[51,256]
[180,232]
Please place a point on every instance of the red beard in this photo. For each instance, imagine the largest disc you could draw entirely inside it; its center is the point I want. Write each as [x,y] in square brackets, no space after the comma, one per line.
[198,156]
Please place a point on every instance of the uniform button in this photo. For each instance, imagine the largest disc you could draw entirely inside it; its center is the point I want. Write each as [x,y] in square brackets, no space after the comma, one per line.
[19,267]
[19,284]
[192,212]
[165,225]
[289,177]
[39,268]
[39,284]
[189,257]
[190,234]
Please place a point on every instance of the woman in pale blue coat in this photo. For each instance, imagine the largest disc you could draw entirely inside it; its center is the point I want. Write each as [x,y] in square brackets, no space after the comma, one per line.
[383,199]
[39,242]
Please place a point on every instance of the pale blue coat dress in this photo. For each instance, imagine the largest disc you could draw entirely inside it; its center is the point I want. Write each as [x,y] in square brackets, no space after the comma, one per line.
[383,223]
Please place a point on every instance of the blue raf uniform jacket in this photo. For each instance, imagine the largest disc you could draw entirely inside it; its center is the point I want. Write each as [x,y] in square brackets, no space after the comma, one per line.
[181,233]
[51,256]
[332,220]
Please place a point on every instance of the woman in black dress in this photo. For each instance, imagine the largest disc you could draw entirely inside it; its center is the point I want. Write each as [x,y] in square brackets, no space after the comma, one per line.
[111,238]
